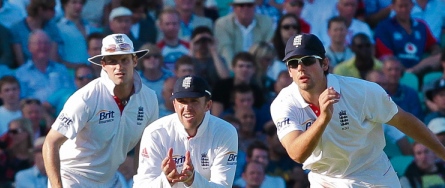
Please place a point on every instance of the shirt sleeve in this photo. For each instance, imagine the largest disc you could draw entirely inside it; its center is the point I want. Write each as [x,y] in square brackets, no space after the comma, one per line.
[286,117]
[224,165]
[382,40]
[378,105]
[72,118]
[151,154]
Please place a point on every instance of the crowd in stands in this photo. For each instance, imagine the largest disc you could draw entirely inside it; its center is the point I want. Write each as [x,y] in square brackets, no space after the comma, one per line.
[238,47]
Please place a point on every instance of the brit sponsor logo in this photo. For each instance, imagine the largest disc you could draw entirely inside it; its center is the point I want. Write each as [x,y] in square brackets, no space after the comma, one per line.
[282,123]
[179,160]
[105,116]
[232,158]
[65,120]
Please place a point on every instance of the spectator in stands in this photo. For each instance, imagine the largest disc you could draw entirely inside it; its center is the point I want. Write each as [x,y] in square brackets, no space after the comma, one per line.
[209,64]
[40,77]
[265,56]
[404,96]
[258,152]
[338,50]
[437,126]
[184,66]
[18,153]
[325,10]
[121,22]
[253,175]
[287,27]
[280,163]
[74,31]
[405,37]
[363,61]
[97,12]
[188,19]
[10,13]
[424,171]
[83,75]
[239,30]
[243,65]
[143,27]
[432,12]
[206,9]
[33,110]
[435,92]
[295,7]
[376,11]
[40,12]
[283,80]
[152,70]
[167,108]
[246,133]
[36,175]
[265,8]
[94,44]
[171,45]
[10,95]
[347,9]
[6,53]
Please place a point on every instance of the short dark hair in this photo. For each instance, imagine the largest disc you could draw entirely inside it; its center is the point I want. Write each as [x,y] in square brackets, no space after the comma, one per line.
[135,4]
[256,145]
[94,35]
[240,88]
[8,80]
[244,56]
[64,2]
[336,19]
[199,30]
[184,60]
[34,6]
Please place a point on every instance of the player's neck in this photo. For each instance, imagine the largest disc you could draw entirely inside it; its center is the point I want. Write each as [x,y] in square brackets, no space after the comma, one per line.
[123,92]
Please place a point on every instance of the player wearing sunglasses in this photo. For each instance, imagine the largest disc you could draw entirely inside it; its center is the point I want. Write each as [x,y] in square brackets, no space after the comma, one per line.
[333,124]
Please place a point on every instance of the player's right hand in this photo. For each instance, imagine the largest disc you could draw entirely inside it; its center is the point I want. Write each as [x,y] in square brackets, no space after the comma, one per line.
[326,101]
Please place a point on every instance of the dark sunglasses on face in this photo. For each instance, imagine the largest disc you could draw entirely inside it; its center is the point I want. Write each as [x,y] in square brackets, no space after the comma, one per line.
[245,5]
[305,60]
[288,26]
[85,77]
[15,131]
[204,40]
[360,46]
[297,3]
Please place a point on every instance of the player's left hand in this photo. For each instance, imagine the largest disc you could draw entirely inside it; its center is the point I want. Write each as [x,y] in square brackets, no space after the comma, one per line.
[187,174]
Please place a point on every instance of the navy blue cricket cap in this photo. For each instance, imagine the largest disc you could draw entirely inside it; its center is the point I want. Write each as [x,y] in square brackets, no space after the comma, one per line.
[190,87]
[302,45]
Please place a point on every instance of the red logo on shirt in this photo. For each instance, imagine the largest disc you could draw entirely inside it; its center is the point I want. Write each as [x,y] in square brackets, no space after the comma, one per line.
[144,153]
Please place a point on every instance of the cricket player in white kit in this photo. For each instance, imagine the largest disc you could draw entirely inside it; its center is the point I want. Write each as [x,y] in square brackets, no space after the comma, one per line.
[333,124]
[190,148]
[101,122]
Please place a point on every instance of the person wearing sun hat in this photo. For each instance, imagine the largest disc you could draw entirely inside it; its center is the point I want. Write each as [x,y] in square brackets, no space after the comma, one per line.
[190,148]
[333,124]
[101,122]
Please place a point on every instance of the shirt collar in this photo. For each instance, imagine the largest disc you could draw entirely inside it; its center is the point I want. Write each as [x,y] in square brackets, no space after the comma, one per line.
[249,28]
[332,82]
[110,85]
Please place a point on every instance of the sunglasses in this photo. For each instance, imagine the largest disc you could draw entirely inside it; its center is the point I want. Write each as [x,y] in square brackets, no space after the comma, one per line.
[288,26]
[85,77]
[297,3]
[15,131]
[245,5]
[365,45]
[305,60]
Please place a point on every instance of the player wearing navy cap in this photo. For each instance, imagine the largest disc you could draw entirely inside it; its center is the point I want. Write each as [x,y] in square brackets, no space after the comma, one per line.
[101,122]
[333,124]
[190,148]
